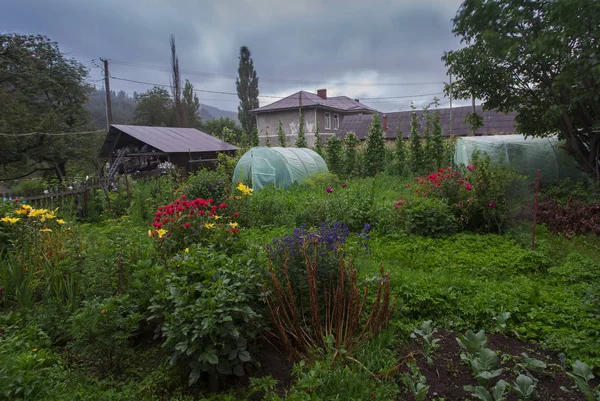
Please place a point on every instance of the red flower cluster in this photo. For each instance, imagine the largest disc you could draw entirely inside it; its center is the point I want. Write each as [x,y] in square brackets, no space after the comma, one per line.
[399,203]
[187,214]
[437,178]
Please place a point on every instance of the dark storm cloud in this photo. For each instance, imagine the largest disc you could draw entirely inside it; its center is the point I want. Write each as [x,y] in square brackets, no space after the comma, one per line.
[321,43]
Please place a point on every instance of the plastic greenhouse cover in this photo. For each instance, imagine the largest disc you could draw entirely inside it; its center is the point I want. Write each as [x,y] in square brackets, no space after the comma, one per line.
[262,166]
[523,155]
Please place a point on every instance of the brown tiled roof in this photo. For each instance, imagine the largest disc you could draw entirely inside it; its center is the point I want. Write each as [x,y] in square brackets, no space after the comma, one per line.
[168,139]
[494,123]
[342,103]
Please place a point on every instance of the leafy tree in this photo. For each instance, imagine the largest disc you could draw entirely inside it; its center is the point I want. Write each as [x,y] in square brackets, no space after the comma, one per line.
[318,145]
[247,89]
[334,155]
[123,107]
[190,105]
[154,108]
[254,139]
[538,58]
[375,151]
[416,148]
[301,140]
[281,135]
[351,163]
[228,135]
[41,91]
[217,126]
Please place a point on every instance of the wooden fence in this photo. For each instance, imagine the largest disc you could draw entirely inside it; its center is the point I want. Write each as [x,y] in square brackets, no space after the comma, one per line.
[78,195]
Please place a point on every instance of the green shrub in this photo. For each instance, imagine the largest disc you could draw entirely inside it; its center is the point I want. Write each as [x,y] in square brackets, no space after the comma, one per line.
[208,184]
[102,330]
[147,195]
[428,216]
[208,311]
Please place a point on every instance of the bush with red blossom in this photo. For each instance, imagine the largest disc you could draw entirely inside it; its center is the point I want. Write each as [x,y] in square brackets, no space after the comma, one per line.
[185,222]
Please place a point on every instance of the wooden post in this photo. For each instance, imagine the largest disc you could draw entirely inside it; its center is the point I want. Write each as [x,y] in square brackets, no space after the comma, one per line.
[107,87]
[535,209]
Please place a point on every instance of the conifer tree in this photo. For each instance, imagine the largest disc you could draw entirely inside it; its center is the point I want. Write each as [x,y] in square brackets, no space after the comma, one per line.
[318,145]
[254,140]
[334,155]
[375,152]
[437,141]
[301,141]
[281,135]
[351,157]
[416,148]
[400,152]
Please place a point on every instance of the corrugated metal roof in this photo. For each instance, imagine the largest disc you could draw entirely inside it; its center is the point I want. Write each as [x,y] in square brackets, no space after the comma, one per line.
[494,123]
[170,139]
[342,103]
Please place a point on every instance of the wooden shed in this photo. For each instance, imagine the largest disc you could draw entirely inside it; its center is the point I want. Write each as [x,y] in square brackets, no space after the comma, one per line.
[140,148]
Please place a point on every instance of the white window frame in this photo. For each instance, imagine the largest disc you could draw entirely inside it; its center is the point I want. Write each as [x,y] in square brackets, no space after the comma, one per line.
[327,120]
[336,121]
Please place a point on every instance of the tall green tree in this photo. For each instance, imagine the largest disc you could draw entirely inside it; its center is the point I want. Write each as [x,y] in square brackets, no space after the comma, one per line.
[254,139]
[538,58]
[42,91]
[318,145]
[335,156]
[375,150]
[417,158]
[437,140]
[154,108]
[351,156]
[216,128]
[281,135]
[301,140]
[190,105]
[400,156]
[247,90]
[178,108]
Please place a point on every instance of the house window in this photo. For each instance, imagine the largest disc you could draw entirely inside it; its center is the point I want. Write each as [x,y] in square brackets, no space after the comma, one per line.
[336,121]
[327,121]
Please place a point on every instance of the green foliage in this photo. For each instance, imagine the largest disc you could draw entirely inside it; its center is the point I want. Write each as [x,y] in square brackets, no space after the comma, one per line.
[318,141]
[428,216]
[400,155]
[254,139]
[555,34]
[524,386]
[335,160]
[190,105]
[247,90]
[217,127]
[101,331]
[415,382]
[281,138]
[436,142]
[373,162]
[154,108]
[582,374]
[42,91]
[207,311]
[148,195]
[208,184]
[499,391]
[301,140]
[417,156]
[351,158]
[426,333]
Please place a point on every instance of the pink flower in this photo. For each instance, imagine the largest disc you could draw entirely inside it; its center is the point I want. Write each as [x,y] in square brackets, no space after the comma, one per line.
[468,186]
[470,167]
[344,185]
[329,190]
[492,204]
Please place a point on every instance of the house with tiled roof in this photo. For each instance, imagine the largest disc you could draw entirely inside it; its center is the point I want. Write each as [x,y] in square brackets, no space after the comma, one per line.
[453,123]
[329,112]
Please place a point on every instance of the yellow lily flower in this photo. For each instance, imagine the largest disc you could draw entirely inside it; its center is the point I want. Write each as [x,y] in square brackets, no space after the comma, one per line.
[10,220]
[209,225]
[187,250]
[60,221]
[216,217]
[161,233]
[234,224]
[46,230]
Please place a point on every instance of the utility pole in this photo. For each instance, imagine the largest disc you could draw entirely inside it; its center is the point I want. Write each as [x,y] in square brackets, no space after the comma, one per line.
[451,130]
[107,90]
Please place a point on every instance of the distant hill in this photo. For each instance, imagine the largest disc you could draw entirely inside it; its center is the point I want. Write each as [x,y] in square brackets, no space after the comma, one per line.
[213,113]
[123,107]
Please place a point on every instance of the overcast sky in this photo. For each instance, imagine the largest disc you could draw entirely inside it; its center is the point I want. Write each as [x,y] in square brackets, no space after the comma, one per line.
[361,49]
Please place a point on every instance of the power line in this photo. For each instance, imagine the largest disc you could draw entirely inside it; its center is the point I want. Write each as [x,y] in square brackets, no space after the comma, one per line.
[271,96]
[53,133]
[297,81]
